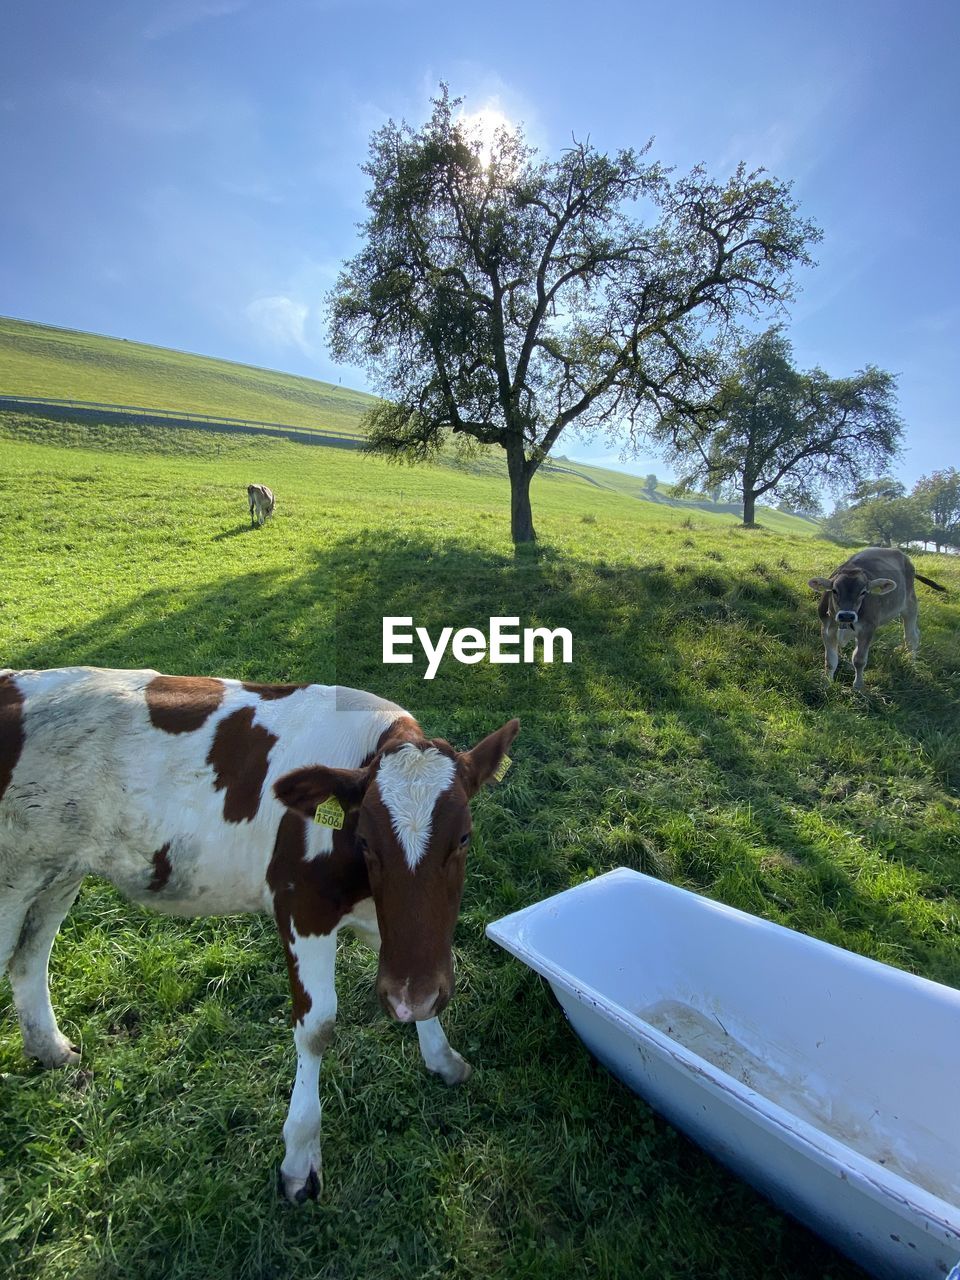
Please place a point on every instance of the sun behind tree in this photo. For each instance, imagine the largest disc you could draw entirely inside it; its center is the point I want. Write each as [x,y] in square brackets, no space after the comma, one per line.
[505,298]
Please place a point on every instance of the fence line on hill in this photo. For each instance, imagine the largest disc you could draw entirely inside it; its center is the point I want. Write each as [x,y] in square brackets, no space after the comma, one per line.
[126,413]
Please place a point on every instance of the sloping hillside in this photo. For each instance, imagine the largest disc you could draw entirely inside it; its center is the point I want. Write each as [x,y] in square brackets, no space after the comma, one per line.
[63,364]
[634,486]
[37,360]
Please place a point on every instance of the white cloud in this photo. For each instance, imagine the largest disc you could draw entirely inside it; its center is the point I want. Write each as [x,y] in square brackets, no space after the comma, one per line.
[797,128]
[282,320]
[172,18]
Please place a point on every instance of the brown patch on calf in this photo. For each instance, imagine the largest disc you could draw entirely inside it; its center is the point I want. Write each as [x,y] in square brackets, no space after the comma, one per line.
[239,754]
[161,869]
[271,691]
[404,729]
[181,704]
[11,729]
[312,897]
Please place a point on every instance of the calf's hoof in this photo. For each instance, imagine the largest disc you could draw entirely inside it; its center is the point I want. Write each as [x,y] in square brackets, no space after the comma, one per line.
[57,1054]
[299,1190]
[454,1069]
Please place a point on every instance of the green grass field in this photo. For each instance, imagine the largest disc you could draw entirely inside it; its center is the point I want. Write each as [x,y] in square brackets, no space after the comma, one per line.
[39,360]
[692,737]
[634,487]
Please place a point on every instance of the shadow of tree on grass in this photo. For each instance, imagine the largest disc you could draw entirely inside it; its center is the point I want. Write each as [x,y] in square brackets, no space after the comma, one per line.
[691,737]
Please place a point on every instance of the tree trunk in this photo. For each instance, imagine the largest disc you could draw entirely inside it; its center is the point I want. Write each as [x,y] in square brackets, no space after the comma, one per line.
[749,507]
[521,513]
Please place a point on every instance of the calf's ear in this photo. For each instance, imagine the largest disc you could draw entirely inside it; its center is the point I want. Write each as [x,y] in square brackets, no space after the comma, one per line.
[820,584]
[479,765]
[880,586]
[304,789]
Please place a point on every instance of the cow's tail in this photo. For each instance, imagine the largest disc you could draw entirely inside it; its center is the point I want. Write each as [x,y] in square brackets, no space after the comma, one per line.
[930,582]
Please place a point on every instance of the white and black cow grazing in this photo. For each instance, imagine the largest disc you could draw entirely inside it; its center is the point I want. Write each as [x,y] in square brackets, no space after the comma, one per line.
[871,588]
[195,796]
[261,501]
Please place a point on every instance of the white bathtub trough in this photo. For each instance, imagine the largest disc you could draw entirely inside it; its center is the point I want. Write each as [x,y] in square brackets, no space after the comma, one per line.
[828,1081]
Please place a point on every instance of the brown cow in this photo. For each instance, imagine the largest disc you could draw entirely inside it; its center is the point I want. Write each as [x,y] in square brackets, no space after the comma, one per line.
[871,588]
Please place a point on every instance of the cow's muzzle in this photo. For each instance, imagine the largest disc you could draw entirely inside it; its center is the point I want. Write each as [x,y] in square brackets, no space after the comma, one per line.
[406,1005]
[846,617]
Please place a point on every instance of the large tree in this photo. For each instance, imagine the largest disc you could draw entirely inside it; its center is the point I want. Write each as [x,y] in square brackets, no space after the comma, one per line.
[771,430]
[505,298]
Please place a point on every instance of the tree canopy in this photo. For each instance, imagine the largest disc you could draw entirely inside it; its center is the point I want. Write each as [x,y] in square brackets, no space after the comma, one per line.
[938,496]
[881,511]
[772,430]
[503,298]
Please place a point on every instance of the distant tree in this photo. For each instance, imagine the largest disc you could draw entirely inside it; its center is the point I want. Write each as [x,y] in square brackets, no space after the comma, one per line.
[812,508]
[505,298]
[938,496]
[878,511]
[650,484]
[837,526]
[770,429]
[887,522]
[871,488]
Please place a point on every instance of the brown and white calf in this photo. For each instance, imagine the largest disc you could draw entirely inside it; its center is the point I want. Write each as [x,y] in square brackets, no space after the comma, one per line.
[261,501]
[196,796]
[871,588]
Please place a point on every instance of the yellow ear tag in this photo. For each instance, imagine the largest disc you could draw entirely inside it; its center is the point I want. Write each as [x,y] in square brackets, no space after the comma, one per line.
[329,814]
[502,768]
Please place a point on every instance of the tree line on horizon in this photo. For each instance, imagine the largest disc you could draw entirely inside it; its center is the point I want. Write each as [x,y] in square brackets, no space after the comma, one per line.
[881,512]
[499,299]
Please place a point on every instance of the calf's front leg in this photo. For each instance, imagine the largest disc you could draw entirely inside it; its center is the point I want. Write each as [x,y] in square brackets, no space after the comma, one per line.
[311,961]
[437,1054]
[911,628]
[831,651]
[860,654]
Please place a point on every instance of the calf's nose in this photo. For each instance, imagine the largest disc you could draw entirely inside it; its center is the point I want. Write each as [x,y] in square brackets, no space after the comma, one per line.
[846,615]
[415,1012]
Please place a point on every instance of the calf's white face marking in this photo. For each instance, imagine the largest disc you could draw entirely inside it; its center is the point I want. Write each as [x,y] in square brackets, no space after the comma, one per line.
[411,781]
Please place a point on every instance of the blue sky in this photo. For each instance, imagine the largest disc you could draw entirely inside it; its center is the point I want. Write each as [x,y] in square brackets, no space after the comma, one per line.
[187,173]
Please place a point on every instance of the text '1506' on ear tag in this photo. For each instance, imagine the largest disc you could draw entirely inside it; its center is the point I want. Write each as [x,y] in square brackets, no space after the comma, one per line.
[329,814]
[502,768]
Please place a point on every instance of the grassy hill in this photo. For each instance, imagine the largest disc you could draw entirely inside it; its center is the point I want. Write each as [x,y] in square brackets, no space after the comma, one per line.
[692,737]
[51,363]
[63,364]
[635,487]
